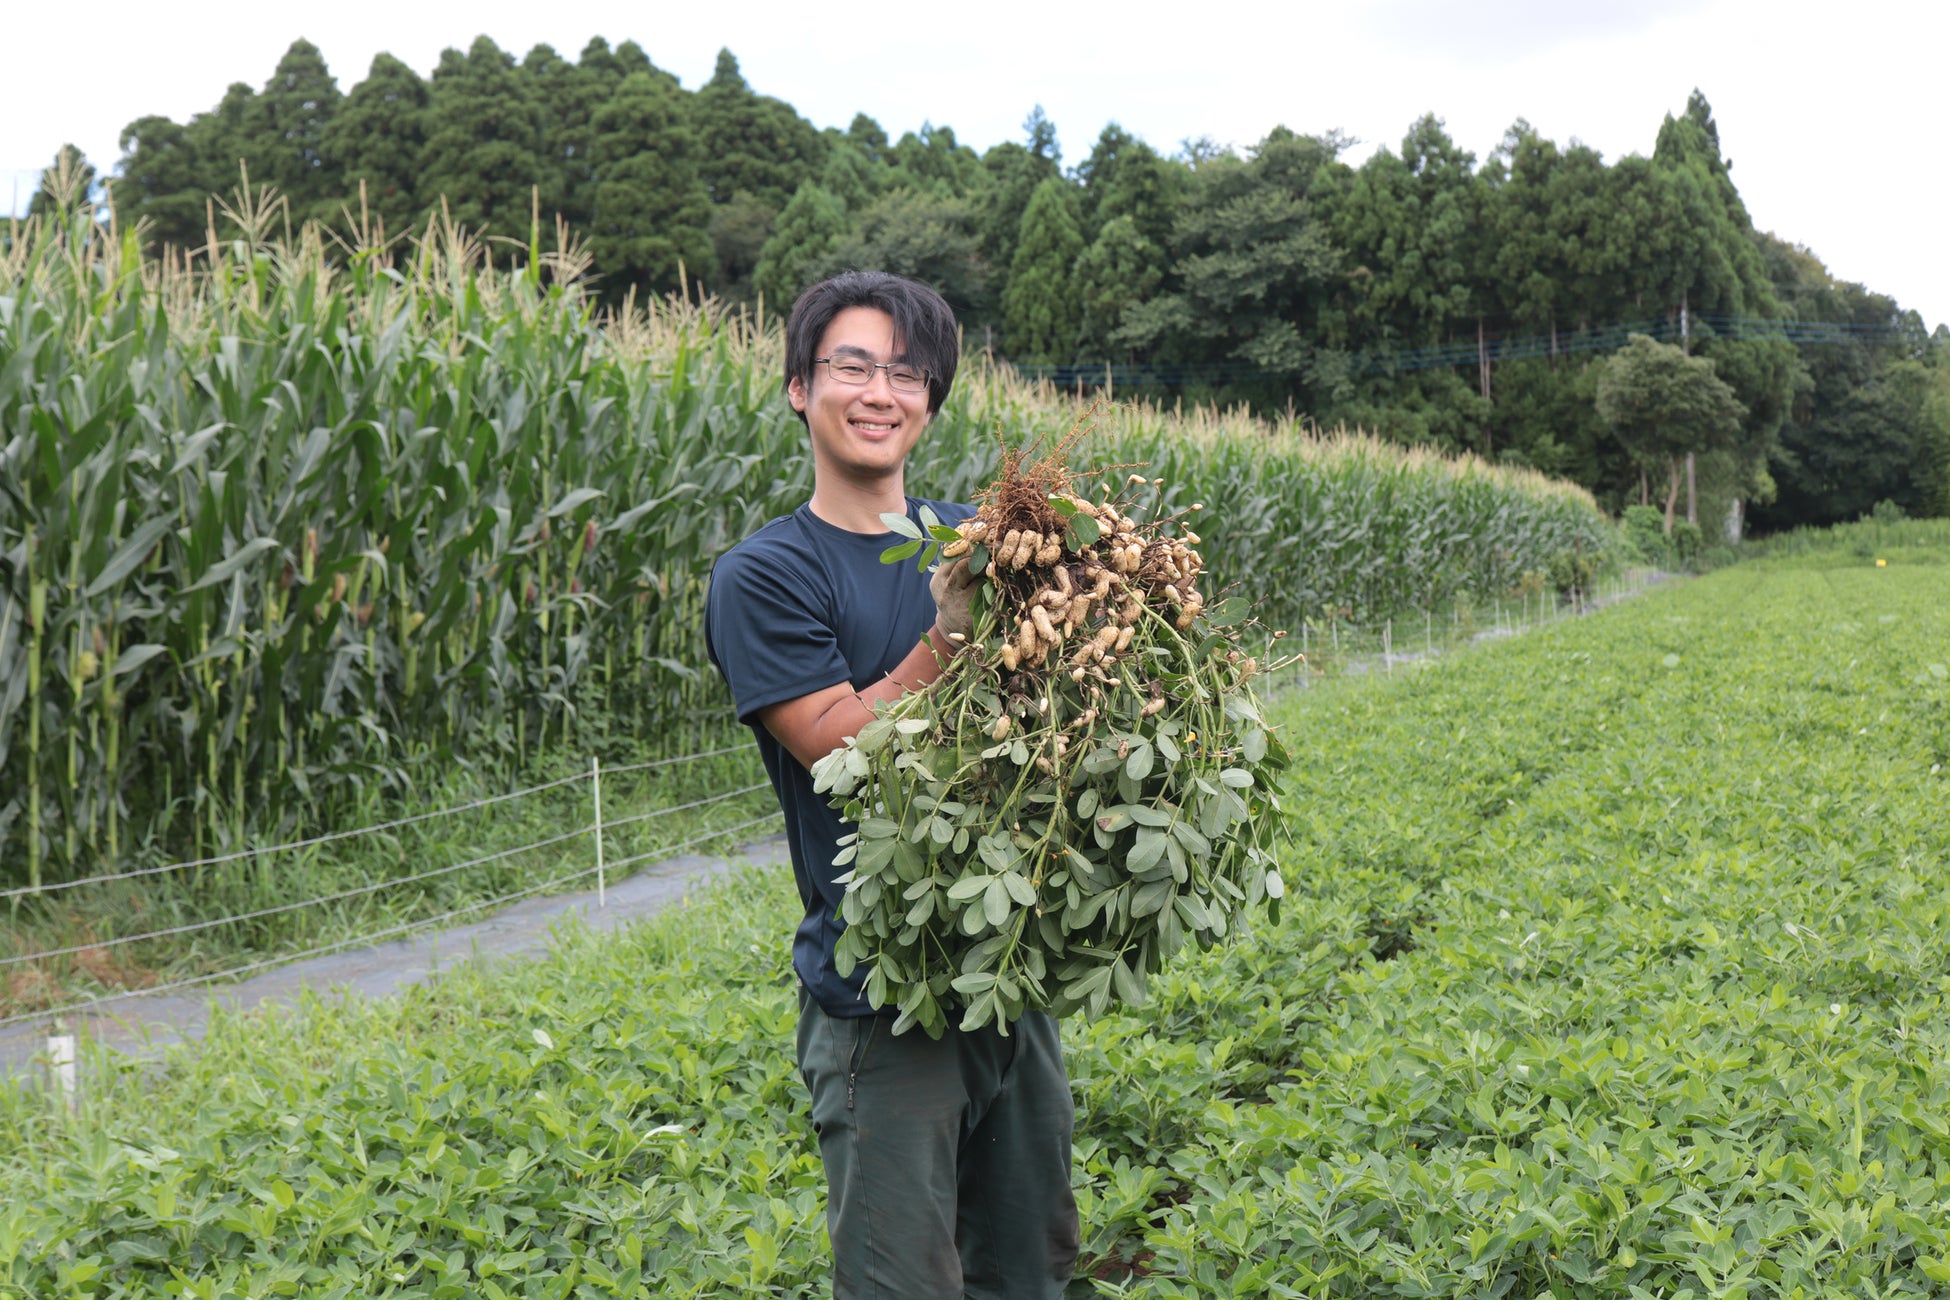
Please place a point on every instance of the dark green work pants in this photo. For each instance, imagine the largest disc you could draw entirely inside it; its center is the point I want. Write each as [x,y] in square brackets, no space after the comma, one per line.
[947,1161]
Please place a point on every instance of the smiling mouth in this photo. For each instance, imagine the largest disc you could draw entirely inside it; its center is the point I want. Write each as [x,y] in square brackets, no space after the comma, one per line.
[872,426]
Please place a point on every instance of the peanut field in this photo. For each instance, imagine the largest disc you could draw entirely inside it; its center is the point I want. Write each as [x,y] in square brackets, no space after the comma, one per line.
[1612,965]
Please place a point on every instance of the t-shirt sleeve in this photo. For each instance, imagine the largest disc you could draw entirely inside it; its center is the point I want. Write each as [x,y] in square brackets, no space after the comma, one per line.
[767,635]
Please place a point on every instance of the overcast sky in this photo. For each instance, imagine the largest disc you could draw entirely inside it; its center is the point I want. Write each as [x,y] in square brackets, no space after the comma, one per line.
[1824,109]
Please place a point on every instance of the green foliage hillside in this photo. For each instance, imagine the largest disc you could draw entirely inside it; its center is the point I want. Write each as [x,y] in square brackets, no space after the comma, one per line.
[1435,297]
[1613,968]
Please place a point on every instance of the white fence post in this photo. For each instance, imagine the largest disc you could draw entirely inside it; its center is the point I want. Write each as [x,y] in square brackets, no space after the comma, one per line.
[596,784]
[60,1068]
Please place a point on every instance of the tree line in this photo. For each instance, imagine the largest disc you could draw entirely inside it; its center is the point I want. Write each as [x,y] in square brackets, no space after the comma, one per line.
[1424,294]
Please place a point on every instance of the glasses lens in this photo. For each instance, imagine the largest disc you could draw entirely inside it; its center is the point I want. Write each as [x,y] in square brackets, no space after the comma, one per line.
[902,378]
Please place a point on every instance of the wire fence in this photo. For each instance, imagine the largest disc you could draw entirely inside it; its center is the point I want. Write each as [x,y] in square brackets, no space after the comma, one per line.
[316,840]
[595,831]
[1332,647]
[1327,647]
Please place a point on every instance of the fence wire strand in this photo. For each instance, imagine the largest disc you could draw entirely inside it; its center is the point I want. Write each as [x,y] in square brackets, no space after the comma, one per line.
[342,895]
[612,823]
[699,839]
[688,758]
[397,823]
[296,844]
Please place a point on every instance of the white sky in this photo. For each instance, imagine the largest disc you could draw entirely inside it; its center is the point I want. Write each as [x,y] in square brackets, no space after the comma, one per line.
[1824,109]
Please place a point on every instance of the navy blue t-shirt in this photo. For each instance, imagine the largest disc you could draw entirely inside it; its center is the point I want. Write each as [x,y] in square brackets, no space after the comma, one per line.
[798,606]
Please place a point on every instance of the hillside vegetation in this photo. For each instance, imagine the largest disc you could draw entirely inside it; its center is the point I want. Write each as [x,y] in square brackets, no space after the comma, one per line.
[1434,295]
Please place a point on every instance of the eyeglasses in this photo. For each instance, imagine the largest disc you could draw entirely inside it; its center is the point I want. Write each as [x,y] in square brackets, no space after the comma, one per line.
[901,377]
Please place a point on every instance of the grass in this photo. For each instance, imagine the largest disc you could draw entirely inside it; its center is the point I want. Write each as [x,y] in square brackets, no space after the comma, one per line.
[1898,541]
[1337,648]
[1612,966]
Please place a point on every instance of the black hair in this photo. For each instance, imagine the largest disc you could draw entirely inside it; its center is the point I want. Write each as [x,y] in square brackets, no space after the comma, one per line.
[924,326]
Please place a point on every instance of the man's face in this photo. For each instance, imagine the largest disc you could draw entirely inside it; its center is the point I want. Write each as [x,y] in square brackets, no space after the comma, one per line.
[862,433]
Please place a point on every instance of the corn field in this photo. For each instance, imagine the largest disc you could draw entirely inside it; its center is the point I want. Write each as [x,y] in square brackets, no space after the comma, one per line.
[1312,526]
[282,521]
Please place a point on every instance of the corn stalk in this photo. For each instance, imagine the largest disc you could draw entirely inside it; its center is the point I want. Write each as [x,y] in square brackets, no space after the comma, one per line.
[282,521]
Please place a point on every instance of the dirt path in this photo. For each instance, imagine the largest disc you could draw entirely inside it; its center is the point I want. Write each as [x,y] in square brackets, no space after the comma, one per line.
[144,1026]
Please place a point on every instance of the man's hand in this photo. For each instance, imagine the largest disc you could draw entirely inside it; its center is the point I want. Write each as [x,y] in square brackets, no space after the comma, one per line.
[954,594]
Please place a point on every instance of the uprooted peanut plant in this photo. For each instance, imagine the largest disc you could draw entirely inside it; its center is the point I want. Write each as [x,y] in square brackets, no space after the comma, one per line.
[1089,783]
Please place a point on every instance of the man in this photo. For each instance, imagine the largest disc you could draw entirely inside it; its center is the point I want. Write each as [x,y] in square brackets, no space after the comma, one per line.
[947,1162]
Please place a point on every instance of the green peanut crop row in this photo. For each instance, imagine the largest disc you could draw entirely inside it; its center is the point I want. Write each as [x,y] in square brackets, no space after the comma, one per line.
[1612,966]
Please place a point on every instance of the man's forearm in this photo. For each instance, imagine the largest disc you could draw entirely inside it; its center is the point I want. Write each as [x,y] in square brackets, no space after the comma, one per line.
[924,663]
[815,725]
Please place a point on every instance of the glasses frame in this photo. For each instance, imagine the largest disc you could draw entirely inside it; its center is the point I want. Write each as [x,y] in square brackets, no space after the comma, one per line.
[871,366]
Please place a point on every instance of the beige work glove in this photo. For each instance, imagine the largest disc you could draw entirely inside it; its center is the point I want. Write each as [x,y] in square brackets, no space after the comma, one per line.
[954,594]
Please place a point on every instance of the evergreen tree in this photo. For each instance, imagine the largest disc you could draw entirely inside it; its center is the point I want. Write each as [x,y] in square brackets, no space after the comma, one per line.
[1254,270]
[1011,174]
[925,237]
[1040,309]
[739,231]
[1124,176]
[222,143]
[162,183]
[1041,135]
[869,138]
[1119,270]
[1578,224]
[1525,264]
[569,96]
[483,153]
[752,144]
[376,136]
[652,213]
[1863,428]
[850,176]
[551,86]
[1408,228]
[803,247]
[933,161]
[1725,281]
[1647,228]
[288,124]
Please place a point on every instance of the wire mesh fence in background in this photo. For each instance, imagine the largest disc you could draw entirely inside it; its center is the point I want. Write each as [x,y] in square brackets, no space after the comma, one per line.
[580,855]
[1327,647]
[1331,647]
